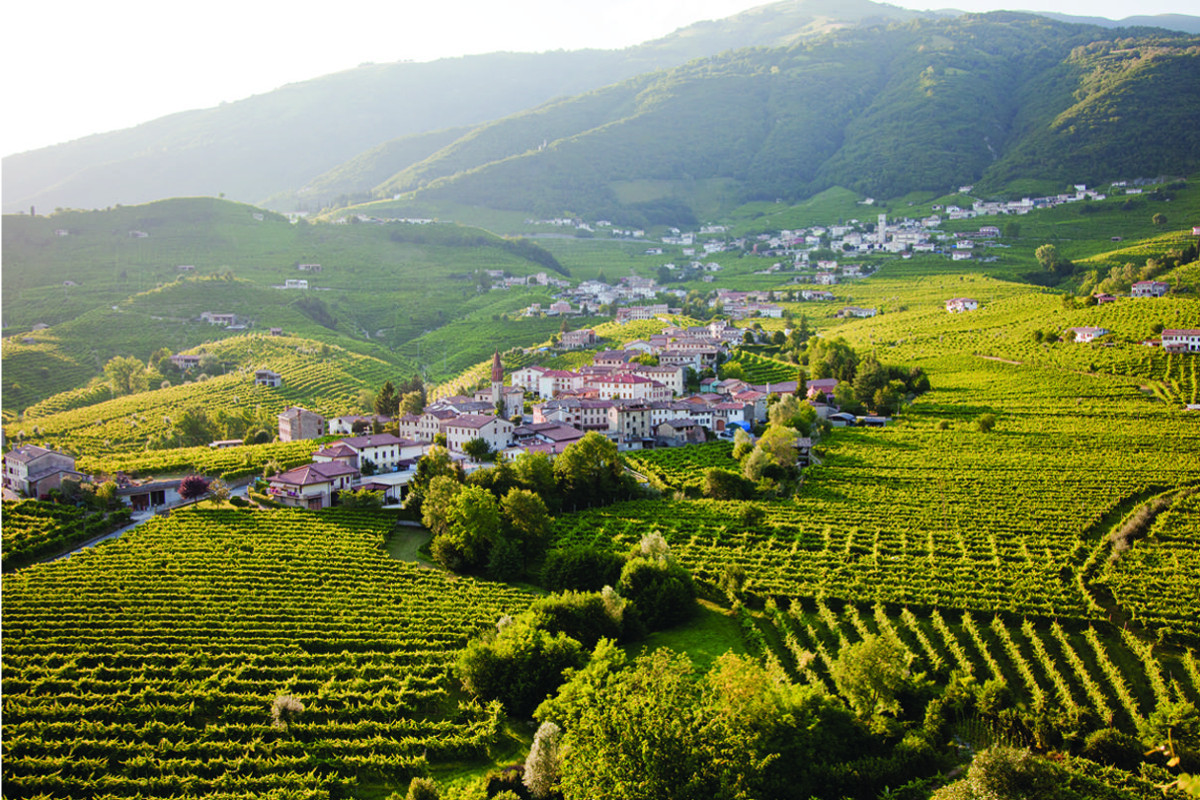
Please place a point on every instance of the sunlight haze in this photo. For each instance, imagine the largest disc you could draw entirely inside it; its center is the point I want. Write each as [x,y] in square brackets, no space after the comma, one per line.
[74,69]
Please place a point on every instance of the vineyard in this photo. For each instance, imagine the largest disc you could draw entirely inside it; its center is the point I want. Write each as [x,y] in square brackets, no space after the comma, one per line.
[148,668]
[676,467]
[322,378]
[762,370]
[1089,674]
[228,463]
[1158,579]
[916,514]
[33,529]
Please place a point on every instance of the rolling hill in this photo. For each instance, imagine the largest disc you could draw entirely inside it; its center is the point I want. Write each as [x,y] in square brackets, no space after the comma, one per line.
[922,105]
[279,142]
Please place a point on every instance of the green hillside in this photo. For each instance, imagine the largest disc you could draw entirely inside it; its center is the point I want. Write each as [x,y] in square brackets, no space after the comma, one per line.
[379,285]
[275,145]
[885,111]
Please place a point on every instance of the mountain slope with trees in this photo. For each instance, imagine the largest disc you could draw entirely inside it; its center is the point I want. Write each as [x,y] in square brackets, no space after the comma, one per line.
[280,141]
[922,105]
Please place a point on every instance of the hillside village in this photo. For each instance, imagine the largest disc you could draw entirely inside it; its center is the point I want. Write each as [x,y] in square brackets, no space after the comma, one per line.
[635,404]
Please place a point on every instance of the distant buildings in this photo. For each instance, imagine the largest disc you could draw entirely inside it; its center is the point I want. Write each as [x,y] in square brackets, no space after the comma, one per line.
[33,471]
[297,423]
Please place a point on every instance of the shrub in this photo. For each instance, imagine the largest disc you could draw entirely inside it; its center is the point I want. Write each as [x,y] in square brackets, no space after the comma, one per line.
[518,666]
[585,616]
[582,568]
[662,591]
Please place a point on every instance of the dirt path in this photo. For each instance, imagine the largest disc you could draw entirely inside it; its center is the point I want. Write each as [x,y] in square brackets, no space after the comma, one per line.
[1001,360]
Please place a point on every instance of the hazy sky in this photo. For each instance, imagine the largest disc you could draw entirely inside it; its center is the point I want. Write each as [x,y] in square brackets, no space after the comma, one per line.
[72,67]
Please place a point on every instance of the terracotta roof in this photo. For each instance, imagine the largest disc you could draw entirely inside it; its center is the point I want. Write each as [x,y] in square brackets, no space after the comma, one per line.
[376,440]
[310,474]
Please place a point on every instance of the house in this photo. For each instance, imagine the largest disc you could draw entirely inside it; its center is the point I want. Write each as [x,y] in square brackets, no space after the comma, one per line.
[631,421]
[1181,340]
[149,494]
[547,433]
[186,267]
[959,304]
[383,452]
[268,378]
[855,311]
[1149,289]
[312,485]
[1101,299]
[496,431]
[573,340]
[185,361]
[213,318]
[297,423]
[309,267]
[276,331]
[295,283]
[33,471]
[628,386]
[1083,335]
[512,400]
[680,431]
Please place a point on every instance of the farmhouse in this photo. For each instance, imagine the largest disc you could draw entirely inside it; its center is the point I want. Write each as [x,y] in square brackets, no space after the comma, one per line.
[1084,335]
[295,283]
[855,311]
[959,304]
[297,423]
[497,432]
[268,378]
[185,361]
[1181,340]
[213,318]
[573,340]
[33,471]
[312,485]
[1149,289]
[383,451]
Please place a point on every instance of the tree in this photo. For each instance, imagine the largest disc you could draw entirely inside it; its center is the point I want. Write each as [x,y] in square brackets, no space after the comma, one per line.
[542,764]
[478,449]
[733,370]
[1006,773]
[518,666]
[387,403]
[1159,219]
[412,403]
[887,399]
[723,484]
[648,732]
[870,674]
[661,590]
[589,471]
[985,422]
[126,375]
[1047,256]
[527,522]
[439,499]
[193,487]
[535,472]
[194,427]
[435,462]
[220,491]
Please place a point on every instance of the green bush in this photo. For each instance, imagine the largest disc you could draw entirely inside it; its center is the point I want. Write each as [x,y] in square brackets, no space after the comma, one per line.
[581,568]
